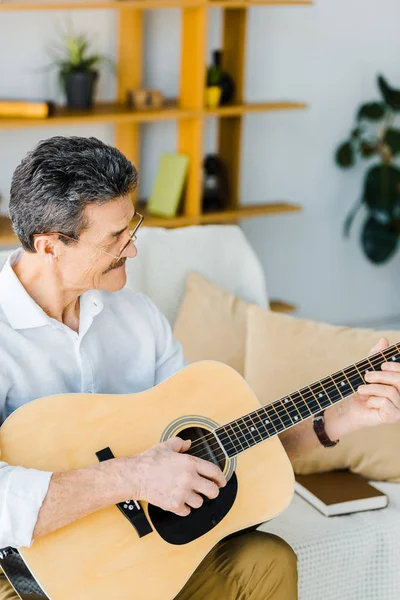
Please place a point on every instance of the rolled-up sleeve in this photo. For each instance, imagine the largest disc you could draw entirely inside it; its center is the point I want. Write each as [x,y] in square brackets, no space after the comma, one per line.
[22,492]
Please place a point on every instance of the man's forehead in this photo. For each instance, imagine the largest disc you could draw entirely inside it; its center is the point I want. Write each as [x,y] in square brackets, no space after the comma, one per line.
[112,217]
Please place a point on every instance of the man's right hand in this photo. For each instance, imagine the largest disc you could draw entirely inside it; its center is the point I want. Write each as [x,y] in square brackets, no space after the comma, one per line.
[170,479]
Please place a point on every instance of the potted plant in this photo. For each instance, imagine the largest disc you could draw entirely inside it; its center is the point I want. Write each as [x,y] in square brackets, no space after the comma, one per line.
[78,73]
[375,138]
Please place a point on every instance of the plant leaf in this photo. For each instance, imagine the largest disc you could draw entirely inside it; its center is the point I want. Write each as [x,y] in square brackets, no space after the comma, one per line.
[345,155]
[379,241]
[382,191]
[373,111]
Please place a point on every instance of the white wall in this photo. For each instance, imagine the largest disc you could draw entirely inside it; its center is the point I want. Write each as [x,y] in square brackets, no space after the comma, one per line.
[327,55]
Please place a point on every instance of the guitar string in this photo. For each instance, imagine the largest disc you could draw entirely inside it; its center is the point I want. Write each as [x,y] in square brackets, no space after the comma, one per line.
[311,396]
[210,438]
[371,360]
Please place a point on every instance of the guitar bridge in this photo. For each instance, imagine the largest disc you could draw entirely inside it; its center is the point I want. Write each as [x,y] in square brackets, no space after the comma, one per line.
[131,509]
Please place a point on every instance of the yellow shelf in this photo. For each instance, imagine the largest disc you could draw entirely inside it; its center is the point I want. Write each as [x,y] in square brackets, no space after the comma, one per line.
[8,238]
[241,109]
[249,211]
[101,113]
[10,5]
[118,113]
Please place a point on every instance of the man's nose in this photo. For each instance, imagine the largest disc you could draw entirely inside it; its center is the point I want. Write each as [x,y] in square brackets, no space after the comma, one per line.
[130,251]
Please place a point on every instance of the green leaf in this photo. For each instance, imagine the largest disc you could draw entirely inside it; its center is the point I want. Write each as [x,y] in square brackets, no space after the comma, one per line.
[392,138]
[382,192]
[373,111]
[345,155]
[379,241]
[74,55]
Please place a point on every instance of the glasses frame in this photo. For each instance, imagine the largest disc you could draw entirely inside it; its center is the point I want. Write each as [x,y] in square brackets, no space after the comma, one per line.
[132,238]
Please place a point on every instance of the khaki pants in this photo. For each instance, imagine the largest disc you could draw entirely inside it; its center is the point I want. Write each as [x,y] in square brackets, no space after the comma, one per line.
[250,566]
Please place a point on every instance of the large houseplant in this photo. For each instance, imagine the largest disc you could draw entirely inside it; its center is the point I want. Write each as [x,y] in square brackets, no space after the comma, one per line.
[78,71]
[376,139]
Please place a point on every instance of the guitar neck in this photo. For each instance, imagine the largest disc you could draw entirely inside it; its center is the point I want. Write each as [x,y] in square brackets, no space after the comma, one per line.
[274,418]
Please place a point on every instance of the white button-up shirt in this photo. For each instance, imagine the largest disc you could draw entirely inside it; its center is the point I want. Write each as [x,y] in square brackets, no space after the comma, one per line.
[124,345]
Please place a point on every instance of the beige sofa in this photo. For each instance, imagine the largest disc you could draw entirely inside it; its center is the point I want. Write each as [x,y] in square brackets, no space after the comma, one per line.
[352,557]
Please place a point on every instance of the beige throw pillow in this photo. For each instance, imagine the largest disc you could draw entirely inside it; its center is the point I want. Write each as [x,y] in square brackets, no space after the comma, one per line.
[211,323]
[286,353]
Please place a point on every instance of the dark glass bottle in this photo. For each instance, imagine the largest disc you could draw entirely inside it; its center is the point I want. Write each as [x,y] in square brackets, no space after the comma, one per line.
[215,184]
[225,81]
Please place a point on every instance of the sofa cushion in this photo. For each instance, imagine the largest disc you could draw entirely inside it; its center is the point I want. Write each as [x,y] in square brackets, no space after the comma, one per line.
[286,353]
[219,252]
[211,323]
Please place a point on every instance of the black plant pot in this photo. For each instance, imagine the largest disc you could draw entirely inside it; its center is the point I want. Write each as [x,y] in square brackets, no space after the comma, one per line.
[79,88]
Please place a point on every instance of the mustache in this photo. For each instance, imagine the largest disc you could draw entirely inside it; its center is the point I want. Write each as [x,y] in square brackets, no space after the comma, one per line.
[113,266]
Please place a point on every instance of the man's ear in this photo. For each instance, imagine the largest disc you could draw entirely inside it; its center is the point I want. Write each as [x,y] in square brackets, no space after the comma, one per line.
[46,246]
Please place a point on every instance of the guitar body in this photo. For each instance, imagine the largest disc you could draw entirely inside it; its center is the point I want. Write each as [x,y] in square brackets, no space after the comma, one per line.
[102,556]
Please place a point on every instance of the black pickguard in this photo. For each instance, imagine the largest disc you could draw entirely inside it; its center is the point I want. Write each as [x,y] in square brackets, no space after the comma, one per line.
[182,530]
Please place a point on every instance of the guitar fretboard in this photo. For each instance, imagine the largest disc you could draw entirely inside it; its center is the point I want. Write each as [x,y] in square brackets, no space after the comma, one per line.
[274,418]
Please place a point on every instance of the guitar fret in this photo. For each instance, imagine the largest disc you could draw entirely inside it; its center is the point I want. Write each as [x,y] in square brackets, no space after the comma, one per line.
[274,418]
[268,422]
[363,367]
[301,406]
[244,432]
[321,395]
[310,400]
[266,429]
[342,384]
[283,414]
[256,435]
[231,444]
[315,392]
[295,415]
[240,436]
[349,381]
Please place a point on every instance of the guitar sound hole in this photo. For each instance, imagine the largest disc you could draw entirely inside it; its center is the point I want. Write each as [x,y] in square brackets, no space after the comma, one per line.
[204,445]
[182,530]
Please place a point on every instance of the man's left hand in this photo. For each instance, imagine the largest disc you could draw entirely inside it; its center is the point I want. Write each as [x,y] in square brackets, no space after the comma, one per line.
[375,403]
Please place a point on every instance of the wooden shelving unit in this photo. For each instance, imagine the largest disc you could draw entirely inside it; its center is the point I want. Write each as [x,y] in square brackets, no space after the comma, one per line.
[188,111]
[113,112]
[11,5]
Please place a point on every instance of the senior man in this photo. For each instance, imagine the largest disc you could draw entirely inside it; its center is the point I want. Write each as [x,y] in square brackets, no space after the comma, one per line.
[68,325]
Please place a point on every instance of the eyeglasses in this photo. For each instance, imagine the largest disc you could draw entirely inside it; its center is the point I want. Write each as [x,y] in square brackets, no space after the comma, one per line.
[132,238]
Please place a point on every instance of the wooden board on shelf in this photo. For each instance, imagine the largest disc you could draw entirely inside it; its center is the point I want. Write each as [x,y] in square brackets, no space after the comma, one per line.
[117,113]
[103,112]
[249,211]
[15,5]
[241,109]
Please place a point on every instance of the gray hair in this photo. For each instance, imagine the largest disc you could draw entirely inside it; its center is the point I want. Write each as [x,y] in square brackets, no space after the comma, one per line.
[55,181]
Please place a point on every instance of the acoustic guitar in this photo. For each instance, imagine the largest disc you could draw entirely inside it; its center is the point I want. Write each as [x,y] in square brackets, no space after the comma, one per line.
[136,551]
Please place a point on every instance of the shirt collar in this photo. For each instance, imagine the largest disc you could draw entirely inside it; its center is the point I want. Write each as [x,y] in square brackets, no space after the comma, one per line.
[21,310]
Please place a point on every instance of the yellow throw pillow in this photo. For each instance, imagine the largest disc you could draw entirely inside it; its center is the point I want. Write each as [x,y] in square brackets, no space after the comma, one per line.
[286,353]
[211,323]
